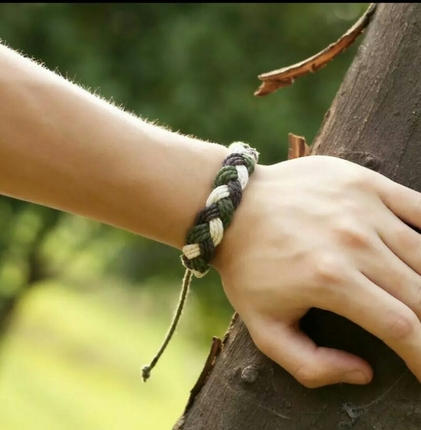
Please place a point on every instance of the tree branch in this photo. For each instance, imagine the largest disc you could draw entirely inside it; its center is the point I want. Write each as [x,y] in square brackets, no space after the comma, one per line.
[285,77]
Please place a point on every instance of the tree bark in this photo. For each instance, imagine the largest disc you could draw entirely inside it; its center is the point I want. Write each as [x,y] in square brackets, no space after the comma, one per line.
[373,121]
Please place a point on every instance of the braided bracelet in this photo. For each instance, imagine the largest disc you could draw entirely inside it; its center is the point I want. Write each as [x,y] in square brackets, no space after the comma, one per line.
[209,226]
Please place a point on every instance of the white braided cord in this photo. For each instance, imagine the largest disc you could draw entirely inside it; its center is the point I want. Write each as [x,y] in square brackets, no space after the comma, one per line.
[216,227]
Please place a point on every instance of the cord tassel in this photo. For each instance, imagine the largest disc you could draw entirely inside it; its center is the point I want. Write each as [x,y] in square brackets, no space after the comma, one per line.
[146,370]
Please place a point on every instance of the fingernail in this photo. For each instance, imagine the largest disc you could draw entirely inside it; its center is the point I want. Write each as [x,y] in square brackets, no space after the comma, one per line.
[355,377]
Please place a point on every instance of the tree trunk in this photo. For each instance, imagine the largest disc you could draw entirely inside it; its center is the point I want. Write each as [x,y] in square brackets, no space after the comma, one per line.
[374,121]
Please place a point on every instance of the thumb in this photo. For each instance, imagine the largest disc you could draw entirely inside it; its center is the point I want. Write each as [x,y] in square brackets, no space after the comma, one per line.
[309,364]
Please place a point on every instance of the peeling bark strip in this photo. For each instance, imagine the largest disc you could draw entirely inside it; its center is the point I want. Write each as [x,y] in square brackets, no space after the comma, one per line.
[285,77]
[297,147]
[375,120]
[210,362]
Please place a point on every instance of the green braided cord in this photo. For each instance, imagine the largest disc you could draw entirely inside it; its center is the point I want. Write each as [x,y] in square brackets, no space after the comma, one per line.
[199,233]
[227,173]
[226,211]
[232,178]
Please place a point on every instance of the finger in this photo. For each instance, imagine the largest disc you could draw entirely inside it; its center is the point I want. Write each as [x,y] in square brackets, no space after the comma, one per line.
[385,269]
[402,201]
[382,315]
[401,239]
[311,365]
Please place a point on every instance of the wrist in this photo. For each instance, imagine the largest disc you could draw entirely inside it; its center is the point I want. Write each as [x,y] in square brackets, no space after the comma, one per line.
[215,217]
[236,235]
[199,175]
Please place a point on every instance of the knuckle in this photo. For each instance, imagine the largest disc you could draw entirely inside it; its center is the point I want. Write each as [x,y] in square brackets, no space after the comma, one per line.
[417,300]
[306,376]
[401,325]
[262,343]
[358,178]
[354,181]
[351,206]
[350,235]
[327,268]
[405,239]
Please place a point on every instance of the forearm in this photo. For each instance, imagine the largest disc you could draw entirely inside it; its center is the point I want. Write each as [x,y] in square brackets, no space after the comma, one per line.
[62,147]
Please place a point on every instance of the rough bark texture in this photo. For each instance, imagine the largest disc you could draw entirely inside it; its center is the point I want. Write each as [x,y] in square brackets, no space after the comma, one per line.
[374,121]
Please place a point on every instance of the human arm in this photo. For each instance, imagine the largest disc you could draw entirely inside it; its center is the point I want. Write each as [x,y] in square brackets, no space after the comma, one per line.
[62,147]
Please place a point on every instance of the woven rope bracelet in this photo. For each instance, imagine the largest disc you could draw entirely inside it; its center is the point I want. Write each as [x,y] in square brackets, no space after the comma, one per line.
[209,226]
[207,233]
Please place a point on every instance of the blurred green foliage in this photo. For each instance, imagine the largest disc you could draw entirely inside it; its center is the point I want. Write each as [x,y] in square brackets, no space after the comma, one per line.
[193,67]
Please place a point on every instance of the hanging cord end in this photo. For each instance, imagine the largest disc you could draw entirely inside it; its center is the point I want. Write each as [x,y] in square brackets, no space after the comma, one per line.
[146,372]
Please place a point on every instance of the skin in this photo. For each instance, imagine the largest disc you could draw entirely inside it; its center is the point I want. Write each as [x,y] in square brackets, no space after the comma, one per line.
[62,147]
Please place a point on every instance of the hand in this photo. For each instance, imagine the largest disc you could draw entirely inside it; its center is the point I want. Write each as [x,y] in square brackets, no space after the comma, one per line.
[327,233]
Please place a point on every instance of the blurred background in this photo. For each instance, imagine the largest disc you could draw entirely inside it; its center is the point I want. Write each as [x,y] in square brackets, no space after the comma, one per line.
[84,305]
